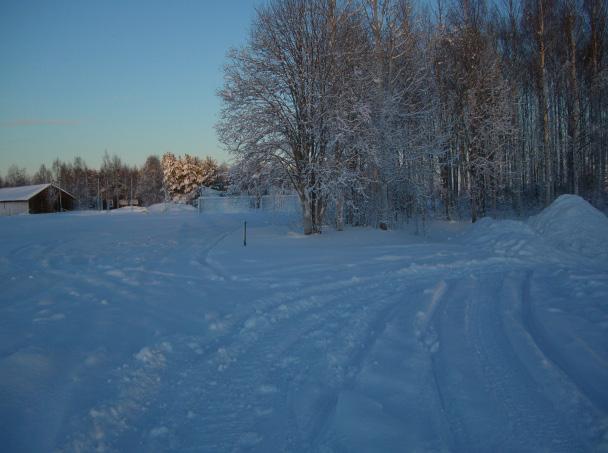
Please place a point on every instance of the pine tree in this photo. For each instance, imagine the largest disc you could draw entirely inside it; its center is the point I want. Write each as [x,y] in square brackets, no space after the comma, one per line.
[183,176]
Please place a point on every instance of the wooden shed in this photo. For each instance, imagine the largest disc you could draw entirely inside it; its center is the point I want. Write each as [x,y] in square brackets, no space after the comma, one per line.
[36,199]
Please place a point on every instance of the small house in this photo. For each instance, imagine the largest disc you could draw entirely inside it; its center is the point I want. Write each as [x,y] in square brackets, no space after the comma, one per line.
[36,199]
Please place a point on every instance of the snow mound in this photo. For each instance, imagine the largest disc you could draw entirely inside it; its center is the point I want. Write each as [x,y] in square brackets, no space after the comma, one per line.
[129,210]
[505,237]
[170,208]
[572,224]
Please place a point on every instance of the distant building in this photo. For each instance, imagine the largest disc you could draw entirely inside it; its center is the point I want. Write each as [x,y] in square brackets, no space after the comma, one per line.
[36,199]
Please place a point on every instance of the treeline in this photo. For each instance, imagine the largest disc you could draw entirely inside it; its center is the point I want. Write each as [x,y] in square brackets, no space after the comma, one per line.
[376,111]
[115,182]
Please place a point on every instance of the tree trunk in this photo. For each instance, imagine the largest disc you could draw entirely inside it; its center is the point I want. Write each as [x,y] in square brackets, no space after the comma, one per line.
[573,123]
[307,220]
[543,108]
[340,212]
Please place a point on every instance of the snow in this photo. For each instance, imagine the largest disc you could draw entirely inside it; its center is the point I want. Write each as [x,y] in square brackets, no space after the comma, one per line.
[572,224]
[163,333]
[171,208]
[22,193]
[129,210]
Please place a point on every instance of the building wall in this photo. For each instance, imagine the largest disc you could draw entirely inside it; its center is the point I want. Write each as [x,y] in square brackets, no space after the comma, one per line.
[45,202]
[42,203]
[13,207]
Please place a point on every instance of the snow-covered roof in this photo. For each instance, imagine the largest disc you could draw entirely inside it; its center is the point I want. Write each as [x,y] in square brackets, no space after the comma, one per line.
[24,193]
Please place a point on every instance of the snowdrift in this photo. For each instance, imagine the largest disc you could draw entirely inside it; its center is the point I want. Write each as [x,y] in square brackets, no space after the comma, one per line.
[129,210]
[504,237]
[569,224]
[170,208]
[572,224]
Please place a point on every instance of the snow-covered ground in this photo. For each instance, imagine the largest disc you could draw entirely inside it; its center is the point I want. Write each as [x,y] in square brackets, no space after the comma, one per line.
[156,332]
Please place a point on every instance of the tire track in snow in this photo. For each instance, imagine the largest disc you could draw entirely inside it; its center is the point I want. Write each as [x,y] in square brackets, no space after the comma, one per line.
[557,385]
[246,386]
[263,364]
[374,328]
[490,399]
[242,346]
[588,383]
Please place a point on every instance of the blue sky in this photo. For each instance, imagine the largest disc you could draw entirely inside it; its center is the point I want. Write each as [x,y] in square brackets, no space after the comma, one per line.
[133,77]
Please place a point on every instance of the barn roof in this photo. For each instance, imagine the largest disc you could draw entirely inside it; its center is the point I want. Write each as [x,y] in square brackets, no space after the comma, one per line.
[24,193]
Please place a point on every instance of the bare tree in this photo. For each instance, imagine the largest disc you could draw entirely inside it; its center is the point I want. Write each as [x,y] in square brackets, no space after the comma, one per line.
[477,98]
[150,185]
[16,176]
[42,176]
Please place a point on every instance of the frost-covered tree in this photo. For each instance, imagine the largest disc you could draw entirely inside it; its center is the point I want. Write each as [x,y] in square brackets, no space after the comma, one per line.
[113,184]
[404,140]
[16,176]
[281,92]
[222,179]
[43,175]
[477,97]
[210,171]
[150,184]
[79,182]
[341,96]
[183,176]
[257,179]
[373,109]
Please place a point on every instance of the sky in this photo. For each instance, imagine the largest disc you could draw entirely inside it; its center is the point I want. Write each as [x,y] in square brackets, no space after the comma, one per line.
[135,78]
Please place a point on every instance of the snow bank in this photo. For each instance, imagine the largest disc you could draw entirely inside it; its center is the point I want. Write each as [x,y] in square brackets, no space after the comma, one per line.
[572,224]
[170,208]
[569,224]
[129,210]
[504,237]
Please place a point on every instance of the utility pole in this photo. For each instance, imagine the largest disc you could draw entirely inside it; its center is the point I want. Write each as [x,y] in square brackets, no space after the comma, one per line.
[98,196]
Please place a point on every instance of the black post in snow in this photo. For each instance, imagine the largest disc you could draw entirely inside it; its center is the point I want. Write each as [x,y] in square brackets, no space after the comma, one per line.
[245,234]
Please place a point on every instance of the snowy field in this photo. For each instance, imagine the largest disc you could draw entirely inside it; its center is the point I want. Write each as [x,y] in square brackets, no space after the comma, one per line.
[159,331]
